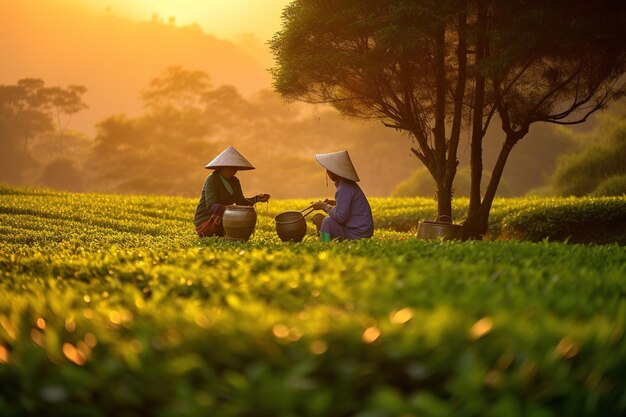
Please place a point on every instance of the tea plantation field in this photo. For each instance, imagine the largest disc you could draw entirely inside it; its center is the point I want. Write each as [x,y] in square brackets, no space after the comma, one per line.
[111,306]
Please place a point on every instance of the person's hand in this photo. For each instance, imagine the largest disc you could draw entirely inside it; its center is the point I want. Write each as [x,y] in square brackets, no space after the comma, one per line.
[331,202]
[262,198]
[318,205]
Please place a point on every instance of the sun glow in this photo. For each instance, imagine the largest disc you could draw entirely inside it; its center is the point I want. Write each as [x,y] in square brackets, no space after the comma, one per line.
[224,18]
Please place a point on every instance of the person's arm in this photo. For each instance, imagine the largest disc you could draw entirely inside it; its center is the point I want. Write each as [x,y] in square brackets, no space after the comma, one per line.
[243,201]
[240,200]
[343,206]
[259,198]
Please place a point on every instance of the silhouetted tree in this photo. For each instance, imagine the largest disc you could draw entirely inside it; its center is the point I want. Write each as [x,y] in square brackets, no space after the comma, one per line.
[554,62]
[65,102]
[389,60]
[177,87]
[427,67]
[25,113]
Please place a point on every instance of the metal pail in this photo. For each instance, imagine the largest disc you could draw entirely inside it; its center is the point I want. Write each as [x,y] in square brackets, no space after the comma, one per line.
[290,226]
[427,229]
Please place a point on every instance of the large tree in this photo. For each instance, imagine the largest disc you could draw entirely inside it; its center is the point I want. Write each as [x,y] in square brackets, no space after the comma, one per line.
[553,62]
[383,59]
[431,68]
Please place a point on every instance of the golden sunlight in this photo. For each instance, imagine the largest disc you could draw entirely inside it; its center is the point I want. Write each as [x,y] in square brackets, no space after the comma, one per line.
[223,18]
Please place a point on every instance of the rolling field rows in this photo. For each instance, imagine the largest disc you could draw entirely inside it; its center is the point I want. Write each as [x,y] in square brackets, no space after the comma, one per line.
[110,305]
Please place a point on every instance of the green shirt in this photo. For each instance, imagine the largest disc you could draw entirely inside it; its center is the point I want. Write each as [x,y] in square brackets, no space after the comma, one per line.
[229,187]
[214,191]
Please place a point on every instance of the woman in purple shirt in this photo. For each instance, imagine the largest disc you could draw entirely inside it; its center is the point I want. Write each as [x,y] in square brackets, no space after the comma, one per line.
[349,215]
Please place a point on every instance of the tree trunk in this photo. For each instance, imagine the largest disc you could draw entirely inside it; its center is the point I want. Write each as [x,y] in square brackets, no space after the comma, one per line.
[476,155]
[476,225]
[440,100]
[444,195]
[444,201]
[455,132]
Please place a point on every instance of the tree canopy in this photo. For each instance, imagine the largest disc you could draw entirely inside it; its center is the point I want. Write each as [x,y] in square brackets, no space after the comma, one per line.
[433,68]
[27,111]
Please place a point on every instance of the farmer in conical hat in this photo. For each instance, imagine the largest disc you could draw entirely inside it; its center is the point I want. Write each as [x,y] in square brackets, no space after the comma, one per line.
[349,215]
[221,189]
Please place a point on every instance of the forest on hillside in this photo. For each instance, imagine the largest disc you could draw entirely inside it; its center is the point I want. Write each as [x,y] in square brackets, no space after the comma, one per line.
[187,120]
[185,123]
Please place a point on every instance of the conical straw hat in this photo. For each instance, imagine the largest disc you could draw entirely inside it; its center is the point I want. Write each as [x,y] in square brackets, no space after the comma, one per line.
[230,158]
[338,163]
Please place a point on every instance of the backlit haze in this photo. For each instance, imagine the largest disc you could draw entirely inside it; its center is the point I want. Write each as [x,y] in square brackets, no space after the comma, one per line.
[115,48]
[224,18]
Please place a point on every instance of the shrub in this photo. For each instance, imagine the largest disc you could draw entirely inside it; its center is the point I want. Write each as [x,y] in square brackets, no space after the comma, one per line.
[62,174]
[581,173]
[589,220]
[420,183]
[612,186]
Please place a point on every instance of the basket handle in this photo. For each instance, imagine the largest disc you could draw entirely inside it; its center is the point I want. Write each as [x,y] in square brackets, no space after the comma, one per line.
[445,215]
[308,212]
[298,219]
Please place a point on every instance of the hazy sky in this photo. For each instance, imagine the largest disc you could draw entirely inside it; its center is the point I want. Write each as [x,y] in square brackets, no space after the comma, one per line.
[106,46]
[223,18]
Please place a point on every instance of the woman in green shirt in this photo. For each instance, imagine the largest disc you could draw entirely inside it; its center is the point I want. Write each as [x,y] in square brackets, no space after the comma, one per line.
[221,189]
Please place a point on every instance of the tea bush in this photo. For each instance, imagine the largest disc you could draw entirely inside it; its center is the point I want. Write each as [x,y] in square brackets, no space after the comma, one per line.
[577,220]
[611,186]
[110,305]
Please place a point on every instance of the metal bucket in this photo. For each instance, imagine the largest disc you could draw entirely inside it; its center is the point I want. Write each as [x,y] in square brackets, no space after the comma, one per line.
[291,226]
[439,229]
[239,222]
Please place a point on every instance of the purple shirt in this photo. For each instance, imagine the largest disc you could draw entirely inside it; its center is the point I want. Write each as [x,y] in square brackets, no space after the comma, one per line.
[352,210]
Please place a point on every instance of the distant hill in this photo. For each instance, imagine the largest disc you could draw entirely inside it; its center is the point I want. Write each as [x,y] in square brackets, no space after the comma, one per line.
[112,56]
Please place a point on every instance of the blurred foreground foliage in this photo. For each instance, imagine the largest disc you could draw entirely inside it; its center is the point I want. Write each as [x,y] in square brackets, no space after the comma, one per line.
[110,305]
